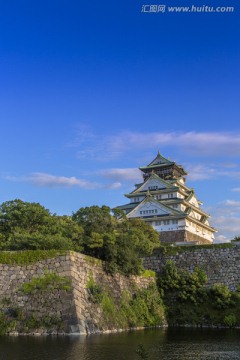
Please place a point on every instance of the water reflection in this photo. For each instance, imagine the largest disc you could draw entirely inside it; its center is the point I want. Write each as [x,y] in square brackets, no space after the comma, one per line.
[164,344]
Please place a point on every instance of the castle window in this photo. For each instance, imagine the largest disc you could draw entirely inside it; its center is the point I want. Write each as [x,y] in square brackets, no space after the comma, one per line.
[152,188]
[175,222]
[147,212]
[166,222]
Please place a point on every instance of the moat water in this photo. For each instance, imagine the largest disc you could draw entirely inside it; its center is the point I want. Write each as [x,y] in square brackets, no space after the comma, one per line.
[161,344]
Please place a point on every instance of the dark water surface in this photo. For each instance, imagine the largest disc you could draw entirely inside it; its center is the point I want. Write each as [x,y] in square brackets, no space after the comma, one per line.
[168,344]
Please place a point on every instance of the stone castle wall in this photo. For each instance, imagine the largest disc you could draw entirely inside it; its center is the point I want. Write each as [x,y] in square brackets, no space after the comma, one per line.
[222,265]
[72,307]
[181,236]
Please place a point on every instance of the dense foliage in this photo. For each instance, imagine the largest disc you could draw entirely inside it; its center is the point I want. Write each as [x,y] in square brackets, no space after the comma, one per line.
[94,231]
[189,301]
[142,307]
[119,243]
[29,226]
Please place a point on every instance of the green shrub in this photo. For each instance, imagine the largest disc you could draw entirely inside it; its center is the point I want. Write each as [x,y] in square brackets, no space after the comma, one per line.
[142,308]
[6,323]
[110,310]
[189,301]
[230,320]
[221,296]
[149,273]
[95,291]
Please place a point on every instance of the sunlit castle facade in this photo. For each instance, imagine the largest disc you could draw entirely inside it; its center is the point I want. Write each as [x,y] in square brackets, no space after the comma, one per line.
[165,202]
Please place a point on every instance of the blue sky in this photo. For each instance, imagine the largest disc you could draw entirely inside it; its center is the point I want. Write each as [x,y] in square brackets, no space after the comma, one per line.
[90,91]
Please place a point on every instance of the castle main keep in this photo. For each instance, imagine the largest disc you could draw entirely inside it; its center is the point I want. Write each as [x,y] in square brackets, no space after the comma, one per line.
[164,201]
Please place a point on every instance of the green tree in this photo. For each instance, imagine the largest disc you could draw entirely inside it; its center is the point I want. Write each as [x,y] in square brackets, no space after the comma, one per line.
[142,235]
[94,219]
[98,228]
[29,226]
[133,239]
[121,243]
[92,230]
[65,228]
[18,215]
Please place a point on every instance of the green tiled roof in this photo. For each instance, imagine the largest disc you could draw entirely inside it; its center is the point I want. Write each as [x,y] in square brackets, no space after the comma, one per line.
[127,206]
[161,161]
[155,176]
[155,166]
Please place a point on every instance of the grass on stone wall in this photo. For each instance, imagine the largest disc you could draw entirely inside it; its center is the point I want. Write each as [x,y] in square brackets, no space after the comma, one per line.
[174,250]
[94,290]
[149,274]
[33,323]
[47,282]
[15,318]
[142,308]
[28,256]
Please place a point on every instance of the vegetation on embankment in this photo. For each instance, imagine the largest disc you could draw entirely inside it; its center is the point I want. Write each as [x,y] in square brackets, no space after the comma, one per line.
[189,302]
[42,296]
[30,233]
[180,299]
[94,231]
[138,308]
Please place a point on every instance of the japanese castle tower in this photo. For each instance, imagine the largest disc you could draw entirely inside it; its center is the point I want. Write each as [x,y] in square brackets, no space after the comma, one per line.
[165,202]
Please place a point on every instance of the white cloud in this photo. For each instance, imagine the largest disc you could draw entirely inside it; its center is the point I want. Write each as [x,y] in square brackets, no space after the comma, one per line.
[226,218]
[227,225]
[52,181]
[110,146]
[232,174]
[236,189]
[128,174]
[203,142]
[200,172]
[221,239]
[48,180]
[115,185]
[204,172]
[232,203]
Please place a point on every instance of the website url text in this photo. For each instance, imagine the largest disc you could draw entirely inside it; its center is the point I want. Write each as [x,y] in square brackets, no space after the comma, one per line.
[183,9]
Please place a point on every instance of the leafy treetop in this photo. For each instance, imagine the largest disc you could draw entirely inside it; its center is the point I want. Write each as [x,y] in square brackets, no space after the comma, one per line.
[94,230]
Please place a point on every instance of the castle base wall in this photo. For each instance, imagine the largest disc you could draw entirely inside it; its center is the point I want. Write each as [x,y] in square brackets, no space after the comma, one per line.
[55,309]
[182,236]
[220,262]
